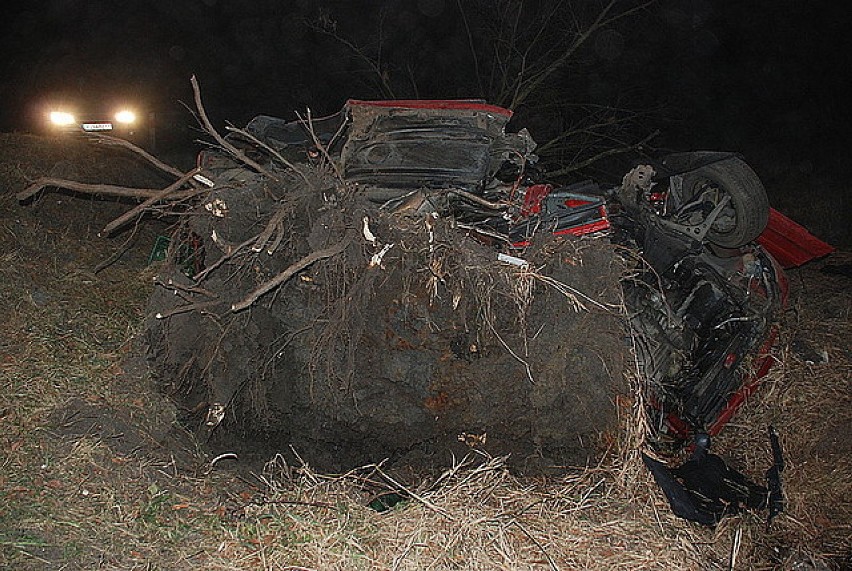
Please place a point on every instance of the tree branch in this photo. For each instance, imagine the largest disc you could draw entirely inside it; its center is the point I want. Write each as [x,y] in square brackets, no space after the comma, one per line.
[116,142]
[270,150]
[294,268]
[208,126]
[603,19]
[602,155]
[140,209]
[96,189]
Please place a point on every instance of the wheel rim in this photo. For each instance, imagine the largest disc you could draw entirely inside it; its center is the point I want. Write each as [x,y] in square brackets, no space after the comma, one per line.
[709,195]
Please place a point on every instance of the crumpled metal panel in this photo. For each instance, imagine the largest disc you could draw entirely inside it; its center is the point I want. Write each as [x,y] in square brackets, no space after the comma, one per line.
[439,144]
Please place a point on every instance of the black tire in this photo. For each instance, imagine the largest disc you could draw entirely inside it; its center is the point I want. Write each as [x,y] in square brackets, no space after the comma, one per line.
[747,213]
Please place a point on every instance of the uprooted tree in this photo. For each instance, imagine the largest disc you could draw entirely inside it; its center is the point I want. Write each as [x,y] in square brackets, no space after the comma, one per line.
[293,310]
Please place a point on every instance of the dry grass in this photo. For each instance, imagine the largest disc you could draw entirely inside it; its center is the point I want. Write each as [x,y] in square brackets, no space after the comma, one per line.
[72,499]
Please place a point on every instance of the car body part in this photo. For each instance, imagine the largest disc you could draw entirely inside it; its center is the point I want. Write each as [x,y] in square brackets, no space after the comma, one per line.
[704,489]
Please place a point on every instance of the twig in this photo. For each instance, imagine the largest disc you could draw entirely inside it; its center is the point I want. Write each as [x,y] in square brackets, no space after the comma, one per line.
[271,151]
[171,284]
[602,20]
[117,142]
[517,357]
[735,549]
[308,124]
[186,308]
[471,46]
[550,560]
[292,270]
[565,289]
[296,503]
[118,253]
[274,224]
[603,155]
[375,66]
[208,127]
[232,251]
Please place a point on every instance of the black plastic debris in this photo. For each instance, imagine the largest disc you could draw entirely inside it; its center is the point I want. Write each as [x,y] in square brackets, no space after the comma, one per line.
[704,489]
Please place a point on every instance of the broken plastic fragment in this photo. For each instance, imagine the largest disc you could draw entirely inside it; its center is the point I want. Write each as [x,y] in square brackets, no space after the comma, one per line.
[225,456]
[640,177]
[520,262]
[473,439]
[217,207]
[376,260]
[215,414]
[367,234]
[203,180]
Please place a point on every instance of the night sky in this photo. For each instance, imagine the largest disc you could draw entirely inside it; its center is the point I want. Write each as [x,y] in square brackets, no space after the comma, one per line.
[770,79]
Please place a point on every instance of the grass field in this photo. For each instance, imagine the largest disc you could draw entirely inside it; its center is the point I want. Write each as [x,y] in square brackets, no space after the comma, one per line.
[97,474]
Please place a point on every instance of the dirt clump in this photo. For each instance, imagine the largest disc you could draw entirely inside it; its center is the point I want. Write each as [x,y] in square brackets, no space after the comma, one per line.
[394,337]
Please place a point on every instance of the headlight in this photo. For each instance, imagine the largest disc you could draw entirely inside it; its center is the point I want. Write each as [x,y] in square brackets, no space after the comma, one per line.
[62,118]
[125,116]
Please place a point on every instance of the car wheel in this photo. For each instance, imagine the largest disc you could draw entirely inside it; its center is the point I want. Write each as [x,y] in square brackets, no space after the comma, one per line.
[746,214]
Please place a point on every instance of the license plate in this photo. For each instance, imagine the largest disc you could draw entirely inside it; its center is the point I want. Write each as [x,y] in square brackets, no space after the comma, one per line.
[97,126]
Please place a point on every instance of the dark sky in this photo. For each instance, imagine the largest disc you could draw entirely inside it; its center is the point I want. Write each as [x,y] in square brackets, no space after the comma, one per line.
[733,75]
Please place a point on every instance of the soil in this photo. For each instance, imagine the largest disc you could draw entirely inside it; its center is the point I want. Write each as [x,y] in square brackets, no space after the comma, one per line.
[436,350]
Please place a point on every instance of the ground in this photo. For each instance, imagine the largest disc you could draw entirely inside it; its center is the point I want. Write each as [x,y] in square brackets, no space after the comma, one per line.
[99,472]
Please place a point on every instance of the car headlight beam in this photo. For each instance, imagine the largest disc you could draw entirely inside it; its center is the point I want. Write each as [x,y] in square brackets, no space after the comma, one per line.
[62,118]
[125,116]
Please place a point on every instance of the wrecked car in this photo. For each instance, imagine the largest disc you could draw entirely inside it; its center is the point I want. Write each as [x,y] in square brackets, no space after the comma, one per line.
[703,293]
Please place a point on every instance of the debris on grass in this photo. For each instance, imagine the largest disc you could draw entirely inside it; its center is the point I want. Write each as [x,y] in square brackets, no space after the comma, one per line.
[97,473]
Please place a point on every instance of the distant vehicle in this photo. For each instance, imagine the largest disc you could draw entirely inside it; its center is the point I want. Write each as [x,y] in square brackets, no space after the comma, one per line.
[123,120]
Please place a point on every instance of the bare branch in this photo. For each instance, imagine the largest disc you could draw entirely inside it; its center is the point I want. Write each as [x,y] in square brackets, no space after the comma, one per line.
[96,189]
[374,65]
[274,224]
[603,19]
[117,142]
[292,166]
[588,129]
[186,308]
[208,127]
[140,209]
[294,268]
[601,155]
[308,124]
[230,252]
[471,46]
